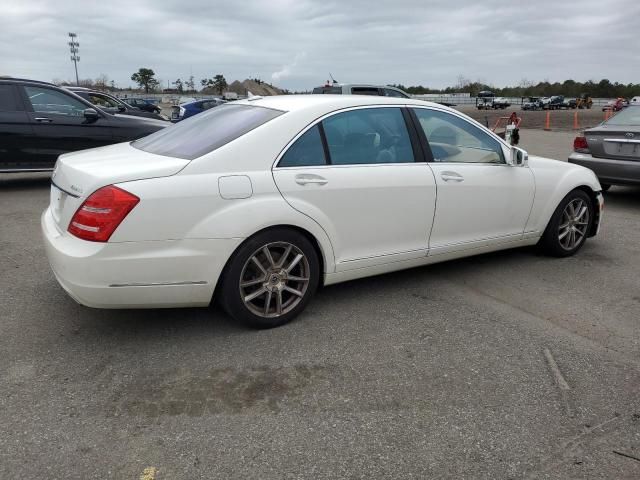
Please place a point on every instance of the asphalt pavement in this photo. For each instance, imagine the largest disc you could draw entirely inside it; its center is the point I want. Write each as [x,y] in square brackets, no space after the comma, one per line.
[509,365]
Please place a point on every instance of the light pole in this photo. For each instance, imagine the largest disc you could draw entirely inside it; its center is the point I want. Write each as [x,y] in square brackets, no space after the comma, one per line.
[74,47]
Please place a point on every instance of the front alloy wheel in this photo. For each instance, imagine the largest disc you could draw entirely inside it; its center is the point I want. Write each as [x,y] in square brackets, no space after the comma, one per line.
[575,222]
[271,278]
[569,226]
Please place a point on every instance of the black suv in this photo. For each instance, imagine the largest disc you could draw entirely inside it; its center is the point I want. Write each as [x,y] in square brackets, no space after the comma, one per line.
[39,121]
[111,104]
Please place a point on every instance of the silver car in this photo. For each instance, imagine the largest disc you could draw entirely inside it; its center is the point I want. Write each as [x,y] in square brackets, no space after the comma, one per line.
[360,89]
[612,149]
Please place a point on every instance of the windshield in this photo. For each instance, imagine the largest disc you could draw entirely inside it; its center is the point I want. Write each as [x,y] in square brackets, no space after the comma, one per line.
[630,116]
[207,131]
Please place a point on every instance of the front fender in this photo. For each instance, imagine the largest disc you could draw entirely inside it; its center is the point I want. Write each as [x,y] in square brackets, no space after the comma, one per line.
[554,180]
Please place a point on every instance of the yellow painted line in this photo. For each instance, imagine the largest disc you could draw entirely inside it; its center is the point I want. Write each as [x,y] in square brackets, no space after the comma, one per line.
[149,473]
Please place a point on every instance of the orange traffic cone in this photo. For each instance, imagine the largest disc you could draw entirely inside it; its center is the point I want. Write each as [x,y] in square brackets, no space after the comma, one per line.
[547,123]
[575,120]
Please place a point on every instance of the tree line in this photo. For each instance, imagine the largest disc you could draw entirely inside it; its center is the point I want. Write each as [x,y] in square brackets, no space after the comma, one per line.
[569,88]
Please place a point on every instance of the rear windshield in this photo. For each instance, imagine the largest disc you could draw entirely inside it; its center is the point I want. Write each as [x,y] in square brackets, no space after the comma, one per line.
[207,131]
[629,116]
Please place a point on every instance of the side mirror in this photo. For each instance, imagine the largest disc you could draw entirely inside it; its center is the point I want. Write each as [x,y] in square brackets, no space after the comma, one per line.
[518,157]
[91,114]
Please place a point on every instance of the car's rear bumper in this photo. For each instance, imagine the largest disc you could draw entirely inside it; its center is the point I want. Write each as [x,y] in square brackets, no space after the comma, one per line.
[618,172]
[151,274]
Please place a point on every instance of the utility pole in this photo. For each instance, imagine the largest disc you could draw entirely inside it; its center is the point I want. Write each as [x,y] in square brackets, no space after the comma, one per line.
[74,47]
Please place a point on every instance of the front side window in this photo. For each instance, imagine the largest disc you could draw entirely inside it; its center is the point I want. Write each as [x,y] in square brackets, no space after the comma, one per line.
[306,151]
[368,136]
[102,101]
[453,139]
[207,131]
[49,101]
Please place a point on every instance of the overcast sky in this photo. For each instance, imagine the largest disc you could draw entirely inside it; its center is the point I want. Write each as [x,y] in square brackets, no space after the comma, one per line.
[296,43]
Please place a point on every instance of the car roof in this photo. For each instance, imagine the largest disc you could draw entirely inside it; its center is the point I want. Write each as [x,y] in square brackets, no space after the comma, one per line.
[26,80]
[330,102]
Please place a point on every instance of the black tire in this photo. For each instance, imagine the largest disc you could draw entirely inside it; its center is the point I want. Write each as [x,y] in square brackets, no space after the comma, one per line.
[605,186]
[231,296]
[550,242]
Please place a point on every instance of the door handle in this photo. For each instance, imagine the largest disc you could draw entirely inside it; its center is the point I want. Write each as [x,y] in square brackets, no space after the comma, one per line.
[451,177]
[43,119]
[311,179]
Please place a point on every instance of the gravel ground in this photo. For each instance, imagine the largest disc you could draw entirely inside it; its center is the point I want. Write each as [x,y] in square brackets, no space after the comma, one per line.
[559,120]
[509,365]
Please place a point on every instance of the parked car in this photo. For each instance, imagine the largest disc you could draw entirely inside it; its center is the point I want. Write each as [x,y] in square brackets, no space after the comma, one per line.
[189,109]
[570,103]
[615,105]
[250,203]
[360,89]
[531,103]
[145,104]
[484,100]
[111,104]
[501,103]
[555,102]
[39,121]
[612,149]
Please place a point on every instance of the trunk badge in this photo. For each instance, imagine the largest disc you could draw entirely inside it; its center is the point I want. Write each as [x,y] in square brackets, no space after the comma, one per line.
[630,135]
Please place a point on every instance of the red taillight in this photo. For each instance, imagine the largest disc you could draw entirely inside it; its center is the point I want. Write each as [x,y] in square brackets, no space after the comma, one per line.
[101,213]
[580,145]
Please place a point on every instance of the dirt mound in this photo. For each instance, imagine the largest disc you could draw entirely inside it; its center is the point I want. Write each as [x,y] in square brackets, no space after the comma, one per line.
[257,88]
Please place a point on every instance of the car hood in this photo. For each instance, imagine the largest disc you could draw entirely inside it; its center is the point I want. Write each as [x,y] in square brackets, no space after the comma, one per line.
[139,120]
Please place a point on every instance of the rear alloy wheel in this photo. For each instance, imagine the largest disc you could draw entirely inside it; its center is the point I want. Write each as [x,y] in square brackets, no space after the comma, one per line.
[569,226]
[271,278]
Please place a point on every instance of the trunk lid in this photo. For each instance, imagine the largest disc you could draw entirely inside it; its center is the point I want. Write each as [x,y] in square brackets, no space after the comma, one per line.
[78,174]
[616,142]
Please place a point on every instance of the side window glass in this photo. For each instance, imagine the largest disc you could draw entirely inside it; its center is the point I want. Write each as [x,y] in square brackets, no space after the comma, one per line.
[307,151]
[453,139]
[8,100]
[368,136]
[46,100]
[102,101]
[365,91]
[393,93]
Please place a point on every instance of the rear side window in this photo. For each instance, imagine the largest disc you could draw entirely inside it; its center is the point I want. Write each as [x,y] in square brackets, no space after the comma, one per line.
[368,136]
[306,151]
[366,91]
[207,131]
[8,100]
[328,90]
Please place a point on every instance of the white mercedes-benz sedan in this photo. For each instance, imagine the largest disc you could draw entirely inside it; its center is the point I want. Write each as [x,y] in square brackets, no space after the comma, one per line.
[257,203]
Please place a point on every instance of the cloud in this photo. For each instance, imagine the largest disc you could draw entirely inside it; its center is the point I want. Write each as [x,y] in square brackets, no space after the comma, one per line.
[286,70]
[296,42]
